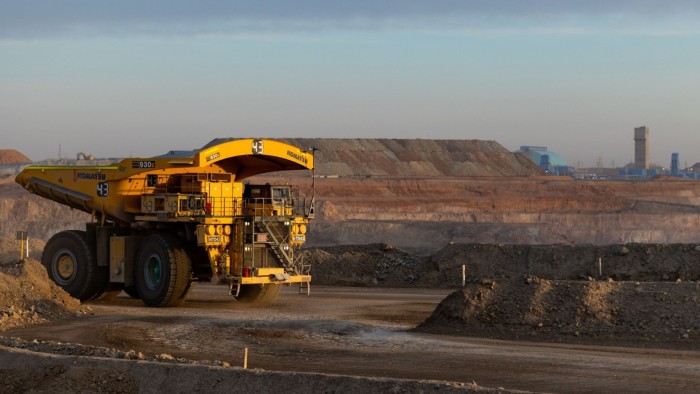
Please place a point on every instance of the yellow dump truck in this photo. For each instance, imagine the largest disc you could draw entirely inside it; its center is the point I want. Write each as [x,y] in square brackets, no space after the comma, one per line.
[162,223]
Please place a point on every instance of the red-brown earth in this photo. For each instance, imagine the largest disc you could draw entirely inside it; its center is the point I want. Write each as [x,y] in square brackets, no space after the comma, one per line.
[411,213]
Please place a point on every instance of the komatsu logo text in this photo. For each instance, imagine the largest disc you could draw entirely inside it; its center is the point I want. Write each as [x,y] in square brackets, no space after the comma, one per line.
[298,157]
[213,156]
[93,176]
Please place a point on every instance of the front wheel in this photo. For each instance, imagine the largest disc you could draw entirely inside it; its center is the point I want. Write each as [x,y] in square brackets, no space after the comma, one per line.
[70,262]
[163,270]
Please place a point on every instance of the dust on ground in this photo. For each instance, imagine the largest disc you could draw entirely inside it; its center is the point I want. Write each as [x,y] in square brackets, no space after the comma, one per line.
[28,297]
[555,293]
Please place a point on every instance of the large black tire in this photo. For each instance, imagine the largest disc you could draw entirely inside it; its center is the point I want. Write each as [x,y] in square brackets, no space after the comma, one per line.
[258,295]
[132,292]
[70,262]
[163,271]
[188,289]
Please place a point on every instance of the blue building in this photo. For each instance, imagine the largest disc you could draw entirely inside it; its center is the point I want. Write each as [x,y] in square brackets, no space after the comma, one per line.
[549,161]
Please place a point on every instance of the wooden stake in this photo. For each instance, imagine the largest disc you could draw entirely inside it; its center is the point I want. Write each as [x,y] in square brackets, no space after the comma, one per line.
[464,275]
[22,237]
[245,358]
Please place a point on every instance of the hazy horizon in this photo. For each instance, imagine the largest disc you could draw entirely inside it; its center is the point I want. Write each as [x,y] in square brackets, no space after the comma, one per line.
[139,78]
[62,155]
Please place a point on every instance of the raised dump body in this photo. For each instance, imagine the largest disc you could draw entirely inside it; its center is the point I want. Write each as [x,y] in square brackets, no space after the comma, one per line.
[162,223]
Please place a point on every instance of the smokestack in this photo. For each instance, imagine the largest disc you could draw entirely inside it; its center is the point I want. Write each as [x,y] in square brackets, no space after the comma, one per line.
[641,147]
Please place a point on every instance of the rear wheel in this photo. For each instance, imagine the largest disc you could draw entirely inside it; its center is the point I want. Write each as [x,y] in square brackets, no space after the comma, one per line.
[258,294]
[70,262]
[188,290]
[162,271]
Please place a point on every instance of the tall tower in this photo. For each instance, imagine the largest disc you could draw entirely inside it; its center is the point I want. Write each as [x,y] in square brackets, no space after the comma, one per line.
[641,147]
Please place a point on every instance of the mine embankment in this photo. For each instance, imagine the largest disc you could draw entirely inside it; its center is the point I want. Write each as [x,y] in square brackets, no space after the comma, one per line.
[387,266]
[593,311]
[636,294]
[638,314]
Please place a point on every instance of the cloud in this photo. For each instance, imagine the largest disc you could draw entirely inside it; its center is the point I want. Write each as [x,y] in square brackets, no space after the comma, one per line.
[50,18]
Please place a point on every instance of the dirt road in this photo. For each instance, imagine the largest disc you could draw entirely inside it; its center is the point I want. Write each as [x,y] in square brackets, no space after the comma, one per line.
[357,331]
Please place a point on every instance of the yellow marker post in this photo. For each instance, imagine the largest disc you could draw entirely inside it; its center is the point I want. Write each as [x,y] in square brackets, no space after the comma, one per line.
[21,237]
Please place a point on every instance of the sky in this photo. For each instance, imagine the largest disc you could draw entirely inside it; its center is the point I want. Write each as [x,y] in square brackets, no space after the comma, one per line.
[139,78]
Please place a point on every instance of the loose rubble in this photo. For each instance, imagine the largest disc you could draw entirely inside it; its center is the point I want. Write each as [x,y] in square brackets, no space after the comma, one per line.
[642,296]
[27,296]
[75,349]
[385,266]
[640,314]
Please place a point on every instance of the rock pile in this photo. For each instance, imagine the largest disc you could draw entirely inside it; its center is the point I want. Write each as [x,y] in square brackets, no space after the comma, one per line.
[638,313]
[368,157]
[365,265]
[380,265]
[27,296]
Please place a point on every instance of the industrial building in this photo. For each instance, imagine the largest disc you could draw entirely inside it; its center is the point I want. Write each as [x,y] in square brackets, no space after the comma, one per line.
[641,168]
[549,161]
[692,172]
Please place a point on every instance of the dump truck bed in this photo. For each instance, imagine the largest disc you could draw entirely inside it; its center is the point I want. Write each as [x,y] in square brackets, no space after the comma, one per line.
[114,192]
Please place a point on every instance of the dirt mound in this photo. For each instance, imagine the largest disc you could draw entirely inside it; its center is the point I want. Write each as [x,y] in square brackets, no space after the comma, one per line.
[27,296]
[621,313]
[11,156]
[415,157]
[364,265]
[387,266]
[637,262]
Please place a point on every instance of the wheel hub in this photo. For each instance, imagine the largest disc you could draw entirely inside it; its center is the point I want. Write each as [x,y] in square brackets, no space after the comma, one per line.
[64,267]
[153,271]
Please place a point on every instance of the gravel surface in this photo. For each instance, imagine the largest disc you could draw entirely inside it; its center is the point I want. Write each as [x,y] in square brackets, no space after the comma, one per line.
[28,297]
[639,314]
[501,300]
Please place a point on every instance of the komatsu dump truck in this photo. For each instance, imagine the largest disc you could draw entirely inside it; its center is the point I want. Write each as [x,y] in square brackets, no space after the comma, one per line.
[162,223]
